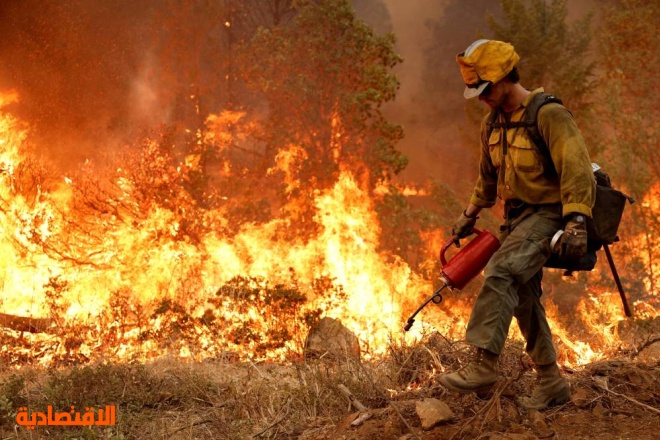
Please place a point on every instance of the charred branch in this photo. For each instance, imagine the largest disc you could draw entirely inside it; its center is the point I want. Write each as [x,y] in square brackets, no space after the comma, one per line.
[25,324]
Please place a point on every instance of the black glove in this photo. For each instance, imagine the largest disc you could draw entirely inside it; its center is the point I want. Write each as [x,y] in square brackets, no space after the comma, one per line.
[463,227]
[573,242]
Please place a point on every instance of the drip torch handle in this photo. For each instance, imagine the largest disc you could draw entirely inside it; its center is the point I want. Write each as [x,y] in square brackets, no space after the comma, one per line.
[447,245]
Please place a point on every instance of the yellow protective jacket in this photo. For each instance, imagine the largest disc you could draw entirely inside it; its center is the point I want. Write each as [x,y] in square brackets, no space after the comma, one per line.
[525,173]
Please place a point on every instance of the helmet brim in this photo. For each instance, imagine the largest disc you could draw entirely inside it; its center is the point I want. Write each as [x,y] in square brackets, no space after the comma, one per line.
[473,92]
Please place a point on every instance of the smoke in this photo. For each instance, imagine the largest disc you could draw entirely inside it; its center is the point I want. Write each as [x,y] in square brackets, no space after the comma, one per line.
[72,64]
[430,104]
[145,98]
[92,75]
[440,140]
[410,23]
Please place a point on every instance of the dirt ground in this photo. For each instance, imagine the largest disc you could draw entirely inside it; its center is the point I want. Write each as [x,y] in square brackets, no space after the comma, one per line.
[613,399]
[609,400]
[341,397]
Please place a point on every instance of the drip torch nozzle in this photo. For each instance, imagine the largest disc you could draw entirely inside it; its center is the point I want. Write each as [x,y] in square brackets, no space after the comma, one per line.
[463,267]
[436,298]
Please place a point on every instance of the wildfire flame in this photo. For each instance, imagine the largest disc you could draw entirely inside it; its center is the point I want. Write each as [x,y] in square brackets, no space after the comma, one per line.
[111,276]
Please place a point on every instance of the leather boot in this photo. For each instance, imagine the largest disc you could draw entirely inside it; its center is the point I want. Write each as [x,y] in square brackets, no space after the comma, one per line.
[551,389]
[478,376]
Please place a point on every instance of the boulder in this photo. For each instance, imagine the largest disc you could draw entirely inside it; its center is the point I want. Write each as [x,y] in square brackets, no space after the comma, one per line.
[330,339]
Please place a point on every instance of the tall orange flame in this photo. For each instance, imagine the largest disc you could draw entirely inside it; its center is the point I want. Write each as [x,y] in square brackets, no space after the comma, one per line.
[118,280]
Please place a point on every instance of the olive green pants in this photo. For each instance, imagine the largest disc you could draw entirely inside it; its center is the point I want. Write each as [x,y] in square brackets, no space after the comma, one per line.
[512,287]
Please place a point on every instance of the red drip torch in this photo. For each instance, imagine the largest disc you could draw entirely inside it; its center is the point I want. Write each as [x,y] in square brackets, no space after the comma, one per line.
[463,266]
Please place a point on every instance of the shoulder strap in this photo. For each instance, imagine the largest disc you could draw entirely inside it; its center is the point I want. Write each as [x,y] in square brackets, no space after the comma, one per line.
[529,119]
[490,122]
[532,118]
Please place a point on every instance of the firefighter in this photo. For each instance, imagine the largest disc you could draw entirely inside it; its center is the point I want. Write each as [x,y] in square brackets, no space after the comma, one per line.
[541,196]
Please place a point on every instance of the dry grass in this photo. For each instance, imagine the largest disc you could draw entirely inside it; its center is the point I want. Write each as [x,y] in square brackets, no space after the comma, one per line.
[171,399]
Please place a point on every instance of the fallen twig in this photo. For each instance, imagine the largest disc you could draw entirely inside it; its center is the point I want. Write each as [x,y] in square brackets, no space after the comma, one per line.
[435,358]
[637,402]
[356,403]
[405,422]
[494,400]
[276,422]
[405,362]
[650,341]
[26,324]
[363,417]
[366,414]
[259,372]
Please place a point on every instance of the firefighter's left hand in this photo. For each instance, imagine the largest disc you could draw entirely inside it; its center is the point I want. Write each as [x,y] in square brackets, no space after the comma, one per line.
[463,227]
[573,242]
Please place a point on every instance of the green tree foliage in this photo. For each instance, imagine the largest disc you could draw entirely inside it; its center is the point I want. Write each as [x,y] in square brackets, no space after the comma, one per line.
[628,50]
[325,78]
[552,53]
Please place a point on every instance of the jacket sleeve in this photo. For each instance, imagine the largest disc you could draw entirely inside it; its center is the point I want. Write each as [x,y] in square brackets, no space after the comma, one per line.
[571,159]
[485,190]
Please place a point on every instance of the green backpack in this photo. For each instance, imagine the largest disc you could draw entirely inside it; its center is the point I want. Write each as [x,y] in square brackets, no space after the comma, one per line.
[608,209]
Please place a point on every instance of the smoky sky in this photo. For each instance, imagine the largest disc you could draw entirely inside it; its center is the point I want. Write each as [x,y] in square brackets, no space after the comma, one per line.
[430,104]
[71,66]
[92,75]
[440,140]
[96,74]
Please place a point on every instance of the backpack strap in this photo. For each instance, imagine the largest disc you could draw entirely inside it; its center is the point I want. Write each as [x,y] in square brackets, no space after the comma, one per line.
[529,120]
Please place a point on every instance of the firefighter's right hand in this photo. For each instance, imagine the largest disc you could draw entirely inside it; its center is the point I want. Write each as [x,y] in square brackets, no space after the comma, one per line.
[463,227]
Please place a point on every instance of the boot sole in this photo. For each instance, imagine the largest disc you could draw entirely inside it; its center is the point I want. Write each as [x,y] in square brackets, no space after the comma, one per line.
[559,399]
[483,390]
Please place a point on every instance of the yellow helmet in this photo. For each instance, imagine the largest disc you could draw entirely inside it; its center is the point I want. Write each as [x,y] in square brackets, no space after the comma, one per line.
[485,62]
